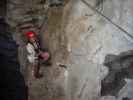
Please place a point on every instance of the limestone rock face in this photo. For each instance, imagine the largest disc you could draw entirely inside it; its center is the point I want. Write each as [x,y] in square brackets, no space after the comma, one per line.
[90,38]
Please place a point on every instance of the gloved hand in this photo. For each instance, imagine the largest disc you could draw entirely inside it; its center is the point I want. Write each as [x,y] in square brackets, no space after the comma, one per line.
[44,55]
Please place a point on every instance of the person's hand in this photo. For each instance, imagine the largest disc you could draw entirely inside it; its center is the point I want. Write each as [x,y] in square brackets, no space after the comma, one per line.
[45,55]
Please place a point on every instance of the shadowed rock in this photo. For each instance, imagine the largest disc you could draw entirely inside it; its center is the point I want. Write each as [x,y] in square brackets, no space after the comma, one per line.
[120,67]
[11,80]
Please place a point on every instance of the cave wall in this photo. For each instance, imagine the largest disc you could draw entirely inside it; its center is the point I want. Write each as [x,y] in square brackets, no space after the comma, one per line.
[51,86]
[90,38]
[78,39]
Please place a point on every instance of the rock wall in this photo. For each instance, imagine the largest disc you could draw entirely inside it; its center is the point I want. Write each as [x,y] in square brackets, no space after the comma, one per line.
[79,39]
[90,38]
[51,86]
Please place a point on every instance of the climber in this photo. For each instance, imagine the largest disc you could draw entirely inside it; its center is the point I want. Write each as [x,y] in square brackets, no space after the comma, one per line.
[35,53]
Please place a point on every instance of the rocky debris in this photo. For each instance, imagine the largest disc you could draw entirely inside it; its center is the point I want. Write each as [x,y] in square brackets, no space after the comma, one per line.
[120,67]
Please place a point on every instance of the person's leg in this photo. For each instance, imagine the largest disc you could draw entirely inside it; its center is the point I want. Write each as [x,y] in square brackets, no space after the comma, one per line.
[36,70]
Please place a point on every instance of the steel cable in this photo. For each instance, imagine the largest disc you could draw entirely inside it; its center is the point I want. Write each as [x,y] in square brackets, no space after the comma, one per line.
[108,19]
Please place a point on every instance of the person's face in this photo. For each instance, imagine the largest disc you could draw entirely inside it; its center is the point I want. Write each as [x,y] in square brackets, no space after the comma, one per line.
[32,39]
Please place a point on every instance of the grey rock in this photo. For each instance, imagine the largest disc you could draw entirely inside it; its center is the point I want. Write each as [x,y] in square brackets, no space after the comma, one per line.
[120,67]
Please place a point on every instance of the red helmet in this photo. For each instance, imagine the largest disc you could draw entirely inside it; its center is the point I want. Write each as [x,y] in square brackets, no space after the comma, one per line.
[30,34]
